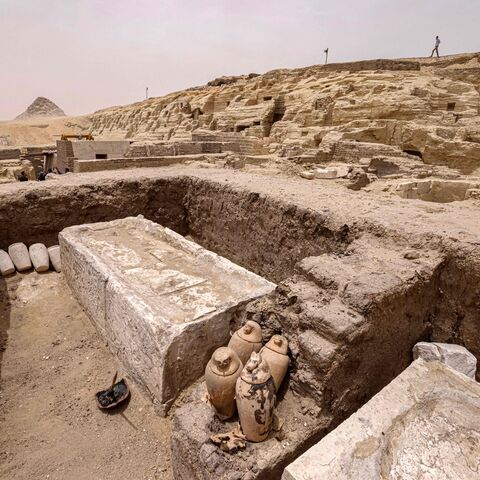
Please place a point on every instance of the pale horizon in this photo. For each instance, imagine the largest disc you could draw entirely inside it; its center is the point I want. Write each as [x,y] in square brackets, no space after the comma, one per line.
[88,54]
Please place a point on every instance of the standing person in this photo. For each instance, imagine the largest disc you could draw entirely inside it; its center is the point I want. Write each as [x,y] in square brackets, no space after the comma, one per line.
[22,177]
[435,48]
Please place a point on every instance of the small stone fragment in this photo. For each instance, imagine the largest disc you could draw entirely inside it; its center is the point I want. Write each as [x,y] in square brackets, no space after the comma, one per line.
[411,255]
[325,173]
[308,175]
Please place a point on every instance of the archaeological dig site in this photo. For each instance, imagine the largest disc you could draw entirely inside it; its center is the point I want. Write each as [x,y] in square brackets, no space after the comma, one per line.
[264,276]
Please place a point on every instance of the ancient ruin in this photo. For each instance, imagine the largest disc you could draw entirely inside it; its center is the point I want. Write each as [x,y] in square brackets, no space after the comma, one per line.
[284,268]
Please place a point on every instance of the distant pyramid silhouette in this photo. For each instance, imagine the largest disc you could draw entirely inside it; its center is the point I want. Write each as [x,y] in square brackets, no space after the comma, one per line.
[41,107]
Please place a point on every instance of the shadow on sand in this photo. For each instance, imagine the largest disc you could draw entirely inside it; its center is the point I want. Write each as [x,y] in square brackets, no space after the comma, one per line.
[5,310]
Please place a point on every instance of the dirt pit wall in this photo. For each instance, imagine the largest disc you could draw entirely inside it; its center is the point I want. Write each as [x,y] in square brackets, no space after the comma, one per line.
[352,313]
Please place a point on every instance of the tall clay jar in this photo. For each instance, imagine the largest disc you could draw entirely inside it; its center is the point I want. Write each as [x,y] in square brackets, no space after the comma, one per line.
[255,395]
[246,340]
[275,354]
[221,376]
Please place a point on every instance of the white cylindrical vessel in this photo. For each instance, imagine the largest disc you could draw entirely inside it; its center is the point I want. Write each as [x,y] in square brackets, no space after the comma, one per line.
[39,257]
[6,265]
[20,257]
[54,254]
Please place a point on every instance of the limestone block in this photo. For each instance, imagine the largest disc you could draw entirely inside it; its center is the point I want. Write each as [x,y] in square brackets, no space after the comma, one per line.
[163,303]
[405,186]
[428,412]
[455,356]
[343,170]
[55,259]
[39,257]
[6,265]
[325,173]
[20,257]
[424,187]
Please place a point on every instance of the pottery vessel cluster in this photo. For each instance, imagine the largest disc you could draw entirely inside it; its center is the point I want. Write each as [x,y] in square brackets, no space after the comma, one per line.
[21,258]
[245,376]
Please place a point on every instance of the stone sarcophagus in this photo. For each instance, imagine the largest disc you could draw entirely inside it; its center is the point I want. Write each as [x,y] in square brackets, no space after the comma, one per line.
[162,302]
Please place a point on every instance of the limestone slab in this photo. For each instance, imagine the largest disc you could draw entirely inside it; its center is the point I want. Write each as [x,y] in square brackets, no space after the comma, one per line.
[455,356]
[425,424]
[163,303]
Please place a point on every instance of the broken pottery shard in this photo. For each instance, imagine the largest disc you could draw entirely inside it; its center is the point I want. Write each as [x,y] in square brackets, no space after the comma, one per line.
[39,257]
[54,254]
[162,303]
[230,442]
[20,257]
[6,265]
[454,356]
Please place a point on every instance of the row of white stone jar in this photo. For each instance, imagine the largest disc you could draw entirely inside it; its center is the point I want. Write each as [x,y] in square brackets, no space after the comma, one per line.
[21,258]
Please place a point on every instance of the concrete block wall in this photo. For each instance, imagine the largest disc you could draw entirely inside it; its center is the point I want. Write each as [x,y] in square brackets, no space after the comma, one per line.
[64,155]
[87,149]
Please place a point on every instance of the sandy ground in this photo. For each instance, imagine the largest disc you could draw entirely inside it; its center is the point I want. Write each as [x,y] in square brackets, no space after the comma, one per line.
[52,362]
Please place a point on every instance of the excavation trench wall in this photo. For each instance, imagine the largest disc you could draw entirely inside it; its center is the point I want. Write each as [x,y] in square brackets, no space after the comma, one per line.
[260,233]
[340,369]
[265,236]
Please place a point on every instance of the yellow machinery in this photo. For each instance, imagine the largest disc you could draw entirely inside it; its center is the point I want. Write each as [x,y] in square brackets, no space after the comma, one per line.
[80,136]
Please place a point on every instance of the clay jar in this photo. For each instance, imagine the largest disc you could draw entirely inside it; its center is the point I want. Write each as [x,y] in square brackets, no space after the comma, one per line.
[275,354]
[255,395]
[221,376]
[246,340]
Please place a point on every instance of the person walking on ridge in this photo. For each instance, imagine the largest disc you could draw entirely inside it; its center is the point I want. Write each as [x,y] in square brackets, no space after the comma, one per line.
[435,49]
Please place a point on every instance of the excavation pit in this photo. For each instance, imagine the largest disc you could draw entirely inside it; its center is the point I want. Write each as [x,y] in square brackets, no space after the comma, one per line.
[163,303]
[358,286]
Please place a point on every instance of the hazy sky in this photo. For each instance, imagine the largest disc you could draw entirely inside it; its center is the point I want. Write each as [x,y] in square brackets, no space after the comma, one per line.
[89,54]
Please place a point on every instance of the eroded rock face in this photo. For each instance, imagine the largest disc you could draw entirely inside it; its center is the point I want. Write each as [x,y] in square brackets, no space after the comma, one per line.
[41,107]
[337,112]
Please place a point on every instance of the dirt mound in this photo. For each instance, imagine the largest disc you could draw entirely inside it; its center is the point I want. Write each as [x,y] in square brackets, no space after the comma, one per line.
[41,107]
